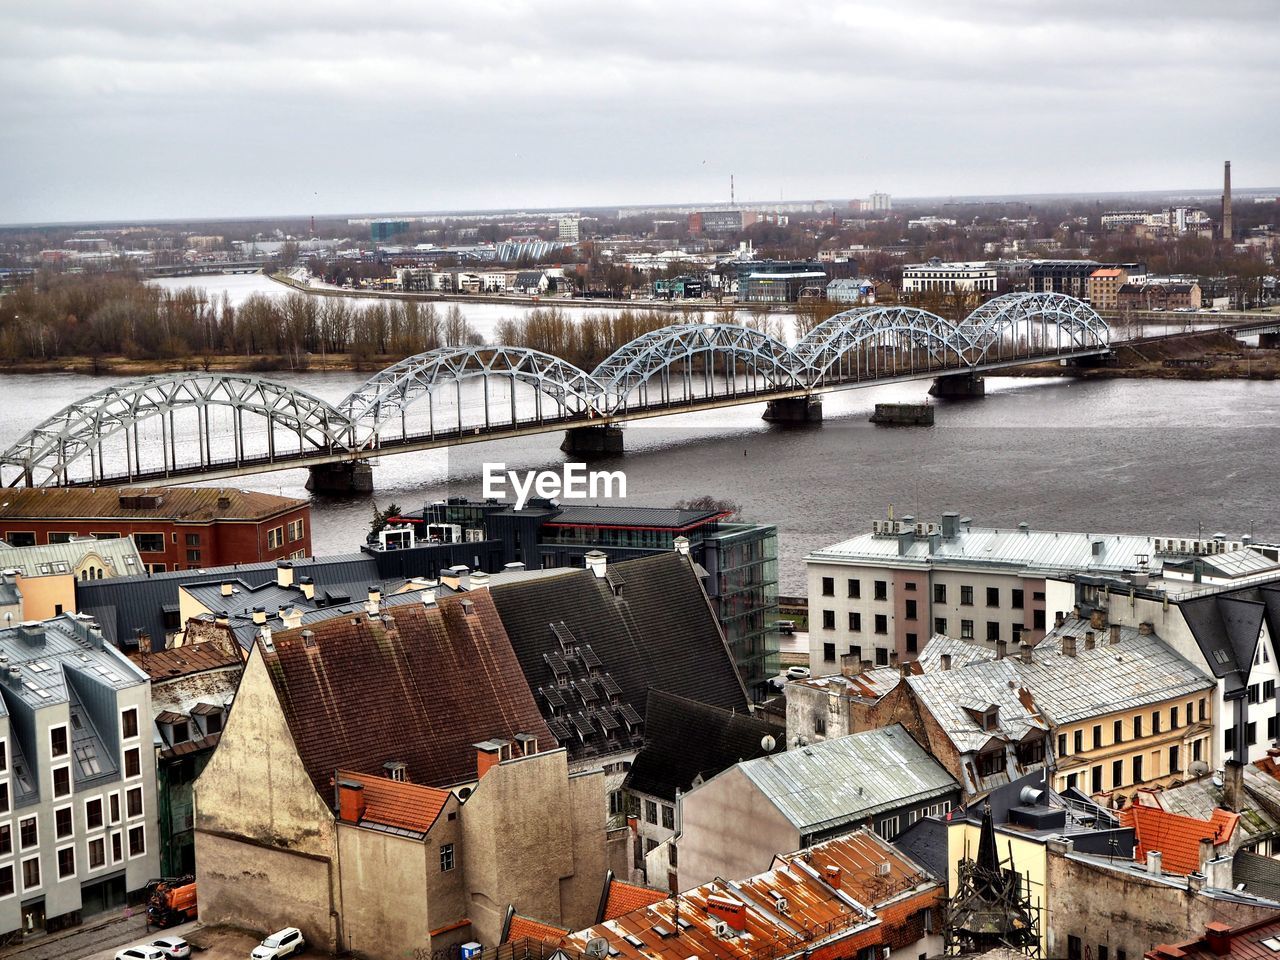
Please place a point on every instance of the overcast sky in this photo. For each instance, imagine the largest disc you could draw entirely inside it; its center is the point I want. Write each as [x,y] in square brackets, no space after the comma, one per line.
[150,108]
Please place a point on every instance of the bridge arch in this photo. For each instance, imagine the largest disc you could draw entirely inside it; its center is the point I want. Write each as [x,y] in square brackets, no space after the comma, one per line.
[87,433]
[879,341]
[744,359]
[391,392]
[1022,324]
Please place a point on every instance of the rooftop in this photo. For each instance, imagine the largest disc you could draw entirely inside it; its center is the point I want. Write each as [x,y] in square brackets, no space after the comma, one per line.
[119,555]
[187,504]
[642,518]
[1175,837]
[1255,941]
[396,805]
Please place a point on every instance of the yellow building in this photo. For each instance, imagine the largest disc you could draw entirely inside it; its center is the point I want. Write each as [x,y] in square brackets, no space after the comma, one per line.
[1103,288]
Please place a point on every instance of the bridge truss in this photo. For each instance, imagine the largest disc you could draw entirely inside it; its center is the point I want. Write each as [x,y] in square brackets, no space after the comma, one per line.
[237,423]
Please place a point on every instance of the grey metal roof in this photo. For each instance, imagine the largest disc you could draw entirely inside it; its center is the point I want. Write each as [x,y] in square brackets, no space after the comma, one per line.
[834,782]
[632,516]
[45,655]
[950,695]
[119,555]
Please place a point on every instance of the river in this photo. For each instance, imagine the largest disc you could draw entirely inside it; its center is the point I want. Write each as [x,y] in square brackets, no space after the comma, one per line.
[1168,457]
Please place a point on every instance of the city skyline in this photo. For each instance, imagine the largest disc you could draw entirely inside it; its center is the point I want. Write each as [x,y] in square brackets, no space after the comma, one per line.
[153,112]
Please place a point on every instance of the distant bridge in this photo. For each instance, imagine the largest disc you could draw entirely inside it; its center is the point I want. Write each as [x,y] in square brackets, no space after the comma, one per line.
[163,429]
[198,269]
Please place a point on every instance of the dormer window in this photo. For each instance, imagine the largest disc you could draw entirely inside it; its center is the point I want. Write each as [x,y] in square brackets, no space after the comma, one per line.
[181,732]
[396,770]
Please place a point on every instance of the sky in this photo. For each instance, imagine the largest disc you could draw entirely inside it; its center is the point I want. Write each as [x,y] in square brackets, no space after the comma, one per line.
[155,109]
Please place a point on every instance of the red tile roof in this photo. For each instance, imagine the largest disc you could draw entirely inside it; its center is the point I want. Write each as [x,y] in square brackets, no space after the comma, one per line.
[523,928]
[394,803]
[1244,942]
[421,690]
[1175,837]
[625,897]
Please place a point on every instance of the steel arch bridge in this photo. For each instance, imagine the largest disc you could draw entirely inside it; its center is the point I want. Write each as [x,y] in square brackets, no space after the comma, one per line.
[234,424]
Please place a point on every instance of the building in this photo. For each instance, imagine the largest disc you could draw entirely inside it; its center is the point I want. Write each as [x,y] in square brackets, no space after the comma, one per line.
[740,559]
[173,528]
[381,231]
[78,779]
[192,688]
[852,897]
[568,229]
[856,291]
[671,763]
[1072,276]
[778,281]
[1172,295]
[1104,288]
[732,823]
[679,288]
[41,579]
[939,277]
[886,592]
[721,221]
[375,789]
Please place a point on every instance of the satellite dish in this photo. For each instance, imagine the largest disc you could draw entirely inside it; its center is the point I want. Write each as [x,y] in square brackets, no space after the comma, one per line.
[768,743]
[597,948]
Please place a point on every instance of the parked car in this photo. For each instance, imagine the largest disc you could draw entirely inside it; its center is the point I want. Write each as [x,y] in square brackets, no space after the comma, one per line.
[282,943]
[798,673]
[786,626]
[175,948]
[143,952]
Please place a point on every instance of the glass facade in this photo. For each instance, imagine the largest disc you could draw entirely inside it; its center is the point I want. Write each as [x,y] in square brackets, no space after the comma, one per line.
[742,561]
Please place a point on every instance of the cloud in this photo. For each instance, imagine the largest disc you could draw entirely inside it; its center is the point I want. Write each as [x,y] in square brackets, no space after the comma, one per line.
[152,109]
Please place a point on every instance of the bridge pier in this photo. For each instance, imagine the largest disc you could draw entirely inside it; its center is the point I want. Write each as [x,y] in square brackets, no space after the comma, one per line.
[959,386]
[590,442]
[354,476]
[794,410]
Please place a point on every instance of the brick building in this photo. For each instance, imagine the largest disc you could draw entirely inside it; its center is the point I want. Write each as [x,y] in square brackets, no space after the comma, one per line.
[173,527]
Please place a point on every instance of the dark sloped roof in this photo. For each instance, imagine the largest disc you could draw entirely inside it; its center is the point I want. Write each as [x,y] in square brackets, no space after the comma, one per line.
[1226,628]
[660,633]
[423,693]
[685,740]
[663,517]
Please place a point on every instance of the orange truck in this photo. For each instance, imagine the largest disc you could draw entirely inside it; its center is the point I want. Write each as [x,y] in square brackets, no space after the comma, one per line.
[171,902]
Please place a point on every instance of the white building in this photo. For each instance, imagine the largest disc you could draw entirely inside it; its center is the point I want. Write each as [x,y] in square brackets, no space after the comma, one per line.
[568,229]
[937,276]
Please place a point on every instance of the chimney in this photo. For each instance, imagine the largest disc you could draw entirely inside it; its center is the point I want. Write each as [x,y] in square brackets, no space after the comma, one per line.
[832,874]
[259,616]
[731,911]
[1002,649]
[850,665]
[950,525]
[1227,226]
[1154,858]
[528,744]
[1114,633]
[291,619]
[597,562]
[1217,935]
[479,580]
[893,658]
[1146,628]
[1096,547]
[1058,619]
[489,754]
[429,598]
[452,578]
[515,566]
[350,801]
[905,668]
[373,601]
[1088,639]
[226,589]
[1025,650]
[221,618]
[681,544]
[284,573]
[1232,785]
[308,588]
[1098,619]
[1069,646]
[1206,854]
[945,661]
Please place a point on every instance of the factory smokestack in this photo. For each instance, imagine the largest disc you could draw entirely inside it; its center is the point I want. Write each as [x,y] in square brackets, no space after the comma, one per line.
[1226,202]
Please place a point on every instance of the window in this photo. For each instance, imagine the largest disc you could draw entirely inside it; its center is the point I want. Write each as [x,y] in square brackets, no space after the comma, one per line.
[6,839]
[275,538]
[61,536]
[668,816]
[913,643]
[966,629]
[1229,739]
[1137,770]
[137,841]
[993,631]
[939,593]
[993,596]
[58,742]
[1062,744]
[882,590]
[97,853]
[828,619]
[115,808]
[855,651]
[1095,778]
[1077,742]
[650,811]
[855,588]
[62,822]
[6,881]
[820,726]
[1155,721]
[1071,781]
[1268,690]
[966,596]
[295,530]
[1015,598]
[855,622]
[4,798]
[1117,732]
[882,657]
[1173,718]
[1252,693]
[940,625]
[193,557]
[133,802]
[133,762]
[212,723]
[1030,751]
[1102,952]
[28,833]
[182,733]
[828,586]
[991,763]
[1195,749]
[910,585]
[1037,619]
[117,851]
[93,813]
[4,756]
[888,827]
[1117,773]
[129,723]
[149,542]
[911,610]
[31,873]
[829,652]
[62,782]
[1097,735]
[66,862]
[882,623]
[20,539]
[1202,709]
[1174,760]
[1250,734]
[1137,728]
[1271,729]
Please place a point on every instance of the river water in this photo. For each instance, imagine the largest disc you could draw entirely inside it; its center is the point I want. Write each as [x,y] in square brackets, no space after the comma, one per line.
[1163,457]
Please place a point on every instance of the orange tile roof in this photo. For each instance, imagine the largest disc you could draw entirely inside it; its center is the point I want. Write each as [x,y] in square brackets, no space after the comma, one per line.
[1175,837]
[625,897]
[523,928]
[187,504]
[1107,272]
[394,803]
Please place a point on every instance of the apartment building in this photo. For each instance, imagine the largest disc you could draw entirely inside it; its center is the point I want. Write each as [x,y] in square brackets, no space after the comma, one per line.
[935,276]
[77,776]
